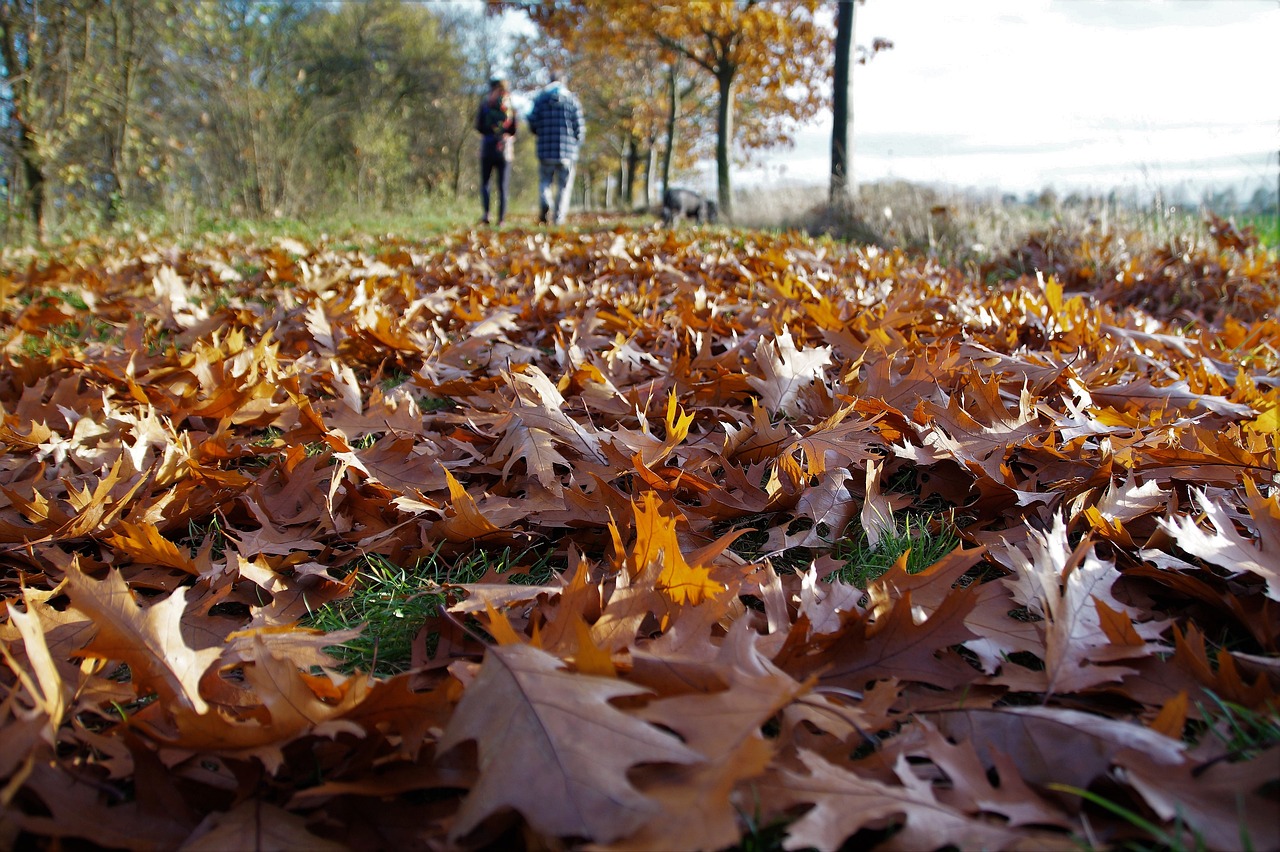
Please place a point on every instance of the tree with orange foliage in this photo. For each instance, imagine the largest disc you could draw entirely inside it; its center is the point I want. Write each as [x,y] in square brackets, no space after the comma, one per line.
[768,56]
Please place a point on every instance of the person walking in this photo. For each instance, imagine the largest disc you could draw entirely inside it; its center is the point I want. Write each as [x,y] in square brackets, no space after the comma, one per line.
[496,123]
[556,119]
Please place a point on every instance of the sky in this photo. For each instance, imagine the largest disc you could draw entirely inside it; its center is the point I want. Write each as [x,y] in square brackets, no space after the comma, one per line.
[1076,95]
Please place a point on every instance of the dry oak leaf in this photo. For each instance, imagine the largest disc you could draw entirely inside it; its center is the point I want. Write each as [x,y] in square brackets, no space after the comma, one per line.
[786,371]
[700,803]
[467,521]
[656,542]
[553,748]
[972,789]
[27,733]
[845,803]
[72,803]
[149,640]
[1084,624]
[1051,745]
[256,826]
[893,645]
[144,544]
[1224,803]
[1225,547]
[293,704]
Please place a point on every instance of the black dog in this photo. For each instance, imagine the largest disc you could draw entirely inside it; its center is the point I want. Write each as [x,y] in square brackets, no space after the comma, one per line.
[687,204]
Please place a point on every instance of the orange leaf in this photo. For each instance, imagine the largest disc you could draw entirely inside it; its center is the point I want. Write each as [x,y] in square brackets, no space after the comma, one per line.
[1173,716]
[500,628]
[144,543]
[1117,625]
[656,541]
[467,522]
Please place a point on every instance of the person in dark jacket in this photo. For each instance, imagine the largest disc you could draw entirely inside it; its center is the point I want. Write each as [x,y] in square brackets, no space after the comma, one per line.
[496,123]
[556,119]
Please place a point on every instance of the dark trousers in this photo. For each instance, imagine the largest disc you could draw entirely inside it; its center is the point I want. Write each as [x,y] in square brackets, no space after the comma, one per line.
[500,167]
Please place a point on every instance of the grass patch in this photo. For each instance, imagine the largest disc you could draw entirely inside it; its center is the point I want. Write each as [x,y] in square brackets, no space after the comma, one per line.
[71,336]
[923,539]
[1175,840]
[1243,733]
[393,603]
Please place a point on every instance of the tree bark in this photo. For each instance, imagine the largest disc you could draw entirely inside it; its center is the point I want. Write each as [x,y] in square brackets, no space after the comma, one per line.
[673,111]
[724,142]
[650,167]
[124,43]
[844,188]
[34,177]
[631,172]
[19,63]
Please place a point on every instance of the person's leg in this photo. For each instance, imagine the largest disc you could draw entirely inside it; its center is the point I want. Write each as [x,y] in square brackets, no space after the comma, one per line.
[503,175]
[486,168]
[567,168]
[546,188]
[557,191]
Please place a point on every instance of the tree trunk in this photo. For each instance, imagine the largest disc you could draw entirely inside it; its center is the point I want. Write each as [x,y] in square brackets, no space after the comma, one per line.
[631,167]
[650,167]
[844,188]
[458,153]
[673,111]
[124,54]
[724,142]
[17,75]
[34,177]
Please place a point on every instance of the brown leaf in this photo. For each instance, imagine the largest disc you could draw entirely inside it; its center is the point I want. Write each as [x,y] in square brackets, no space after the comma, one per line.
[1084,625]
[467,522]
[149,640]
[145,544]
[258,826]
[786,370]
[845,803]
[1226,803]
[292,704]
[1225,547]
[1050,745]
[893,645]
[553,748]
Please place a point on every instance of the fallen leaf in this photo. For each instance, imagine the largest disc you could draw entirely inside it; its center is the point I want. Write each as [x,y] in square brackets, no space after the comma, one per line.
[554,748]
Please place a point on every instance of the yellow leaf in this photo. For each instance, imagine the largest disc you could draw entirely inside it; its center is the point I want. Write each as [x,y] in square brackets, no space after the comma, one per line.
[143,543]
[590,658]
[677,426]
[500,628]
[656,540]
[467,522]
[1267,423]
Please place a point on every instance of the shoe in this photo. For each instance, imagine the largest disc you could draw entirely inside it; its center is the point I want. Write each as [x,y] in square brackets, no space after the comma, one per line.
[484,221]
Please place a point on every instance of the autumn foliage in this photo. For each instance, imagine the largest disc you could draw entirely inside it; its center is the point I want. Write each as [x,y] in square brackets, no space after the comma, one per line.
[201,443]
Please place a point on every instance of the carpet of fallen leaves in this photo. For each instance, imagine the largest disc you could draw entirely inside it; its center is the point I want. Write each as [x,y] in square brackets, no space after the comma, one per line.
[201,443]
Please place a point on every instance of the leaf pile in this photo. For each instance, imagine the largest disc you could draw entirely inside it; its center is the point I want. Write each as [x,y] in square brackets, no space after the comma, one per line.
[201,446]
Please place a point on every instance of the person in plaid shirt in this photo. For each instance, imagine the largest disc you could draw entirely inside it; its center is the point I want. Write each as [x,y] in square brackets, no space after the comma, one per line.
[556,119]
